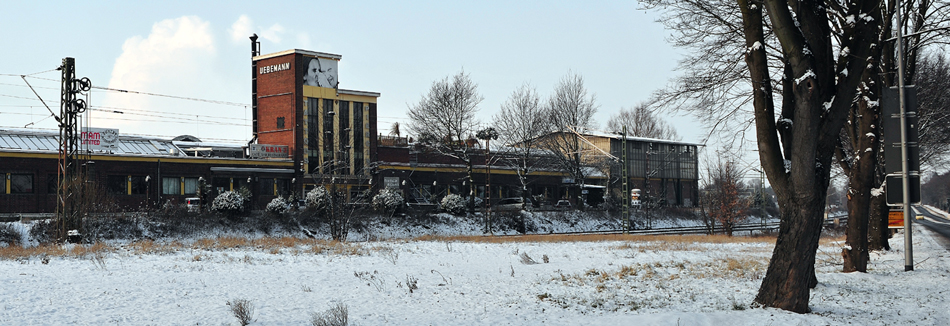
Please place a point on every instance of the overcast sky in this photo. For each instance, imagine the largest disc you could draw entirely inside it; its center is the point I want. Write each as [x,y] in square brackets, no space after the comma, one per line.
[200,50]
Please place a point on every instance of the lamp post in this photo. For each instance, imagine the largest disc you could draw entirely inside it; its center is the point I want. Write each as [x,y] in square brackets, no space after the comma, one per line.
[488,134]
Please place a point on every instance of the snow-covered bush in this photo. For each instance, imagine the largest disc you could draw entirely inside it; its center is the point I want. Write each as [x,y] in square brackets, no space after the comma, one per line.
[9,236]
[318,198]
[278,206]
[387,200]
[454,204]
[228,202]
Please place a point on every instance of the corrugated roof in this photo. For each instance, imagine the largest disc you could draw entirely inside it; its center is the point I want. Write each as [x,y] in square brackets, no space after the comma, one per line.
[43,141]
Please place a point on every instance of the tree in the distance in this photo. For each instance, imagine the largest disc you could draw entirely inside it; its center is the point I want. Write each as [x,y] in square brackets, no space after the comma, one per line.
[520,122]
[569,111]
[444,121]
[641,122]
[722,200]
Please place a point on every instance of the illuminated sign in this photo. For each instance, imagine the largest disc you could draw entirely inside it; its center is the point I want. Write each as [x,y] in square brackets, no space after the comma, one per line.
[99,139]
[269,151]
[274,68]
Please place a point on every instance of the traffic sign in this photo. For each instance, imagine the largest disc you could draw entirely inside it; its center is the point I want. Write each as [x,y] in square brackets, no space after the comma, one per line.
[891,123]
[895,219]
[894,189]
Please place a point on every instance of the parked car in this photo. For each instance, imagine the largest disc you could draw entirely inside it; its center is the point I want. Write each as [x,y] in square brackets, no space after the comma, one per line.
[563,204]
[192,203]
[512,204]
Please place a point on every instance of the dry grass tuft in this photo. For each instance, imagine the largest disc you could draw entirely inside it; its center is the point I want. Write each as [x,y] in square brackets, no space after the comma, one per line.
[18,252]
[685,239]
[92,250]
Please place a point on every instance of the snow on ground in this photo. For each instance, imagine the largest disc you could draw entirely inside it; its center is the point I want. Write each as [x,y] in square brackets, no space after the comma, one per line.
[469,283]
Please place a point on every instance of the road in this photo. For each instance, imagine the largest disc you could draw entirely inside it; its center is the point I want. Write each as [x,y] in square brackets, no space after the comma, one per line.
[935,221]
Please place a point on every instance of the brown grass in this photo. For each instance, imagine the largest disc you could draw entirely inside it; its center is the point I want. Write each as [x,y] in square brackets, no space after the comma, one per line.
[79,251]
[601,237]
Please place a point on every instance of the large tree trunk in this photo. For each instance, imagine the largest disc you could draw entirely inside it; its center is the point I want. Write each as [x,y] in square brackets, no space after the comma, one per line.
[822,92]
[865,143]
[791,272]
[878,233]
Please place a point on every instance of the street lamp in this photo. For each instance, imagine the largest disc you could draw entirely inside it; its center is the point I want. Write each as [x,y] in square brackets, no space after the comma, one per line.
[488,134]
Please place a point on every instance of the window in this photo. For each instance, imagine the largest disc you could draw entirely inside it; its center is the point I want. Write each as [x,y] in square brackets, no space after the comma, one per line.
[284,187]
[52,183]
[3,184]
[280,122]
[358,136]
[171,186]
[221,185]
[21,183]
[344,139]
[191,186]
[327,132]
[313,134]
[265,187]
[139,185]
[117,184]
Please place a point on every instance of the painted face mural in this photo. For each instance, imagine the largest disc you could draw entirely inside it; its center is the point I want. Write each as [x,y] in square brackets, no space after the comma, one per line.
[321,73]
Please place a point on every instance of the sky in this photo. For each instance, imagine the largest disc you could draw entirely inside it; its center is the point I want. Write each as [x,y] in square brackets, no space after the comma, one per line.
[199,50]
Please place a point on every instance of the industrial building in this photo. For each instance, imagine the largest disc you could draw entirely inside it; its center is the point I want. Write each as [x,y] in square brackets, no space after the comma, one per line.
[309,132]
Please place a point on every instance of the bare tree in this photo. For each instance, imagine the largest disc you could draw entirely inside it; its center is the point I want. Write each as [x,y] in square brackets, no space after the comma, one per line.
[444,121]
[722,200]
[641,122]
[520,122]
[933,81]
[394,130]
[708,29]
[820,82]
[570,110]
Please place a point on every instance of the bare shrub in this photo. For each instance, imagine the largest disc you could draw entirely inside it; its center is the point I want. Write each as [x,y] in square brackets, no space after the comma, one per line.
[335,316]
[44,231]
[9,235]
[412,283]
[525,259]
[243,310]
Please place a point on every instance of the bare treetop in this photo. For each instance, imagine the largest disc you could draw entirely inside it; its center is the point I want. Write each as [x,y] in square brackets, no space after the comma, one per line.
[521,118]
[447,112]
[570,106]
[641,122]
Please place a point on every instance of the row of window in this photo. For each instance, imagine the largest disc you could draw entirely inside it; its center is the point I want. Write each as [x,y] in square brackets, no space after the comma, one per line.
[16,183]
[322,143]
[22,183]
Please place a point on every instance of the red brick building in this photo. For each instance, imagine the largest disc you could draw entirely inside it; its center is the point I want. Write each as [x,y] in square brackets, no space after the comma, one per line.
[330,132]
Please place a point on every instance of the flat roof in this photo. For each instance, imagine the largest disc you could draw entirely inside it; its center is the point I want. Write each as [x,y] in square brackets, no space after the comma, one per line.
[304,52]
[643,139]
[360,93]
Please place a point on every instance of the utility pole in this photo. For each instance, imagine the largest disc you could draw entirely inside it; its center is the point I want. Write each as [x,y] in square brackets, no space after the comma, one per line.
[488,134]
[625,196]
[71,179]
[905,178]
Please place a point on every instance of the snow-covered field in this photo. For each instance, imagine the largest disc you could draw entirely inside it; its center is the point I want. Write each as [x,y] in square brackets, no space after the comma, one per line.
[660,282]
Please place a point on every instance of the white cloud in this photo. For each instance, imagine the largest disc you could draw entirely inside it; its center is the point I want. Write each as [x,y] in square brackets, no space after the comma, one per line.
[303,40]
[241,29]
[273,33]
[176,58]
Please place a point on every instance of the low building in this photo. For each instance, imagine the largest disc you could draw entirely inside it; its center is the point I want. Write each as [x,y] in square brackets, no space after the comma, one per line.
[139,173]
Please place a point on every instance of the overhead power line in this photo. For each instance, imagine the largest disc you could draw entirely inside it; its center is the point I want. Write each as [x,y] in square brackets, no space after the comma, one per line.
[146,93]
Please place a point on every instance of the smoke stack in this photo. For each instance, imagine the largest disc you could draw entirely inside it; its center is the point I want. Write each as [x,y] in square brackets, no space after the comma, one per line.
[255,46]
